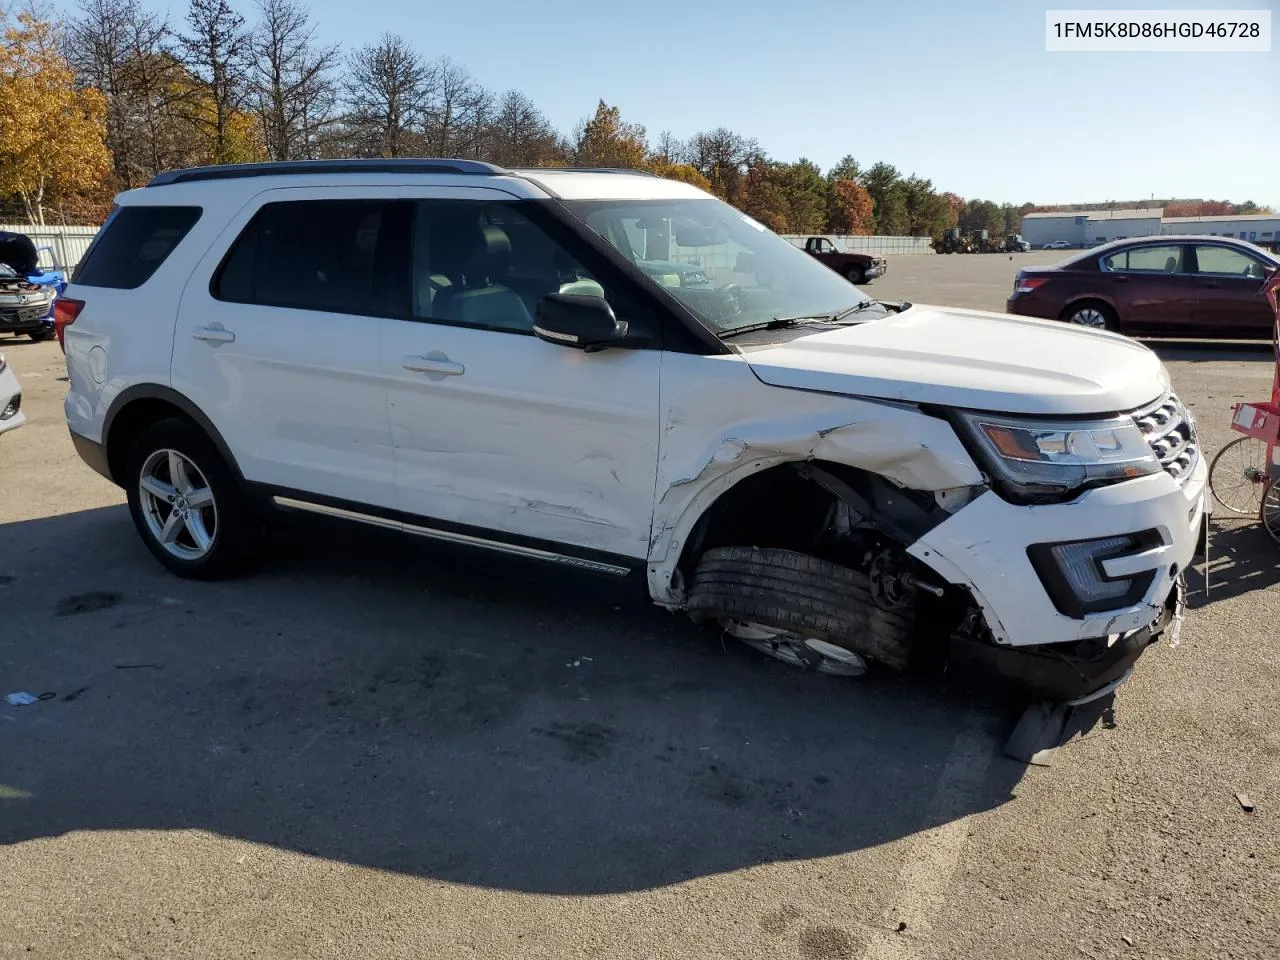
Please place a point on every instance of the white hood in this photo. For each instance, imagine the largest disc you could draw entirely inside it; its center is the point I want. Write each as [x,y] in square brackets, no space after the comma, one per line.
[967,358]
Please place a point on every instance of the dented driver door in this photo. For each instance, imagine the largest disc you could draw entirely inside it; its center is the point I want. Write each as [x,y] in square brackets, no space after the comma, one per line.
[501,435]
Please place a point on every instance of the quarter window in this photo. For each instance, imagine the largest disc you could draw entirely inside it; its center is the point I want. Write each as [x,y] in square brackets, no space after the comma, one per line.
[1145,260]
[333,256]
[1223,261]
[133,244]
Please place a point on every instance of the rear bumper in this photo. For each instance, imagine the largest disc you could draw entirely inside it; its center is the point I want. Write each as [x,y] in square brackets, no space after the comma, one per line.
[1030,306]
[94,454]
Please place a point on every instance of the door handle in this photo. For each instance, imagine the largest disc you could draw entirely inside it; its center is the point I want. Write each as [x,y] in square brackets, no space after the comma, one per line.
[213,335]
[1212,284]
[434,365]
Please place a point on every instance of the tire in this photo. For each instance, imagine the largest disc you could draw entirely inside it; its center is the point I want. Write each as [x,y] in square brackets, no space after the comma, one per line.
[801,595]
[855,275]
[1239,482]
[221,512]
[1096,316]
[40,335]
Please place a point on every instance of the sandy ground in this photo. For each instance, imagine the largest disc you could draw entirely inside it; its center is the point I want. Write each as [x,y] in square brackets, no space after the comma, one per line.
[380,749]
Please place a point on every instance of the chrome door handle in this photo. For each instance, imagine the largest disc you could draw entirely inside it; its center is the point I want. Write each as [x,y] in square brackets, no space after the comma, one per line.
[213,335]
[434,365]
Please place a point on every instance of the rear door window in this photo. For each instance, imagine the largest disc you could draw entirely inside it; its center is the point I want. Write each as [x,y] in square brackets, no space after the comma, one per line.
[335,256]
[133,244]
[1145,260]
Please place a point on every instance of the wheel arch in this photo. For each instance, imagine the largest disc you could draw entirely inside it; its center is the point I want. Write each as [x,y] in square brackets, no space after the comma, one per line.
[141,405]
[1085,299]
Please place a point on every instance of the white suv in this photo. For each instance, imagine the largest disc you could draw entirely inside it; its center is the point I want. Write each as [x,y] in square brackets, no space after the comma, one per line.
[621,373]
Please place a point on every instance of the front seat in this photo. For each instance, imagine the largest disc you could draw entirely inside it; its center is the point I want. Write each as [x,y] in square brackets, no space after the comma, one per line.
[1171,265]
[476,296]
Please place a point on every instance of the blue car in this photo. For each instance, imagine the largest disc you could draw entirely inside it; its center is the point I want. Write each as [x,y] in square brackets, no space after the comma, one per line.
[27,291]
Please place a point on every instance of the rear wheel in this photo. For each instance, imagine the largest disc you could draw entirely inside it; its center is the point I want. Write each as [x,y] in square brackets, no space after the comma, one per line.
[186,503]
[1238,476]
[1095,315]
[800,609]
[855,275]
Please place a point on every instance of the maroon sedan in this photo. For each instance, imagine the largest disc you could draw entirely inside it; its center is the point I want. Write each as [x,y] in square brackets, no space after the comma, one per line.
[1155,287]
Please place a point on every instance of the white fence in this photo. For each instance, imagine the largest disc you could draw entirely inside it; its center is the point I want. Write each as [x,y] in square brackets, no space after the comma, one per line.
[897,246]
[66,244]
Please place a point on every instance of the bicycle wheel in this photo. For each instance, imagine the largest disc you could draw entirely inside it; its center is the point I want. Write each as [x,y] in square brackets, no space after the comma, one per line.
[1238,476]
[1269,512]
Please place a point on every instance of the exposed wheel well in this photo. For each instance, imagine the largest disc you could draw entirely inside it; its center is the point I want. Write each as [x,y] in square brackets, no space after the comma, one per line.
[793,506]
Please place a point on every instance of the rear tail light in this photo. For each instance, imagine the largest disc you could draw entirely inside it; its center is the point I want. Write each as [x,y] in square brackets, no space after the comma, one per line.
[64,315]
[1023,284]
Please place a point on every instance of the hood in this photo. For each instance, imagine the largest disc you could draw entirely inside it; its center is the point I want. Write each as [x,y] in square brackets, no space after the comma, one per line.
[18,253]
[967,358]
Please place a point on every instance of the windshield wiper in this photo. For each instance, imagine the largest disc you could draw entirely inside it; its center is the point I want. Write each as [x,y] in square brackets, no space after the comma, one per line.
[777,323]
[895,307]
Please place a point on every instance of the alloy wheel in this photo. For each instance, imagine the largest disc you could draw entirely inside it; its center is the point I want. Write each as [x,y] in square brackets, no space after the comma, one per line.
[1090,317]
[178,505]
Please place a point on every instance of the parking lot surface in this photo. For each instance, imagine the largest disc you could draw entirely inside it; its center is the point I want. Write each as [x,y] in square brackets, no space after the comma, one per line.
[376,748]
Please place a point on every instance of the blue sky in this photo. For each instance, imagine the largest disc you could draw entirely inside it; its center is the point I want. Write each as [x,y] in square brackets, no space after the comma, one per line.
[960,92]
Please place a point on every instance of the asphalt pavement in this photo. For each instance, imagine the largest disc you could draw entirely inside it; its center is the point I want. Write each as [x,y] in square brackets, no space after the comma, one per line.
[379,748]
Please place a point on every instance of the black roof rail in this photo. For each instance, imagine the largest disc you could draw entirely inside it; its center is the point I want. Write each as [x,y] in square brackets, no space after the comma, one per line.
[235,171]
[537,170]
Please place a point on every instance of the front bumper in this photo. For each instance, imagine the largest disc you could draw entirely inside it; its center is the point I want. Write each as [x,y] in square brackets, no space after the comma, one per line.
[1065,672]
[878,268]
[983,548]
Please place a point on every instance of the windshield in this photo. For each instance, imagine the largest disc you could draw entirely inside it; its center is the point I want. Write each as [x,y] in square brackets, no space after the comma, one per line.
[724,267]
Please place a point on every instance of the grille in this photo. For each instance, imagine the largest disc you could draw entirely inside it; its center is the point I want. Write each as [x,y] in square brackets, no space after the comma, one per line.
[1170,429]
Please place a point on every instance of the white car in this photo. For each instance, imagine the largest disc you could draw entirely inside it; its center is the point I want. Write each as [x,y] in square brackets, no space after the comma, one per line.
[1056,245]
[11,415]
[477,355]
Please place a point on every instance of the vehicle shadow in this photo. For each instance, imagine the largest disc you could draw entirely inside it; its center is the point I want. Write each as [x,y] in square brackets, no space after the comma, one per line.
[448,715]
[1242,558]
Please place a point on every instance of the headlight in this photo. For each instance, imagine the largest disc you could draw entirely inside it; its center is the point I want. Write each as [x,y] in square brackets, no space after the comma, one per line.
[1039,461]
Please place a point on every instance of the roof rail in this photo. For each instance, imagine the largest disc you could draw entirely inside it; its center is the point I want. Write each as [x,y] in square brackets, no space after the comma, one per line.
[630,170]
[235,171]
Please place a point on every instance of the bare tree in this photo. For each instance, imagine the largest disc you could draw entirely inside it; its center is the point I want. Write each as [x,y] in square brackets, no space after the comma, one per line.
[97,44]
[458,110]
[386,86]
[723,156]
[668,149]
[216,54]
[292,80]
[520,136]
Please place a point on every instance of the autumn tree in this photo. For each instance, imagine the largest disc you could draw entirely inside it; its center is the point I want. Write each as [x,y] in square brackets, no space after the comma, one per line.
[216,52]
[605,140]
[292,81]
[857,215]
[678,171]
[386,92]
[762,197]
[51,131]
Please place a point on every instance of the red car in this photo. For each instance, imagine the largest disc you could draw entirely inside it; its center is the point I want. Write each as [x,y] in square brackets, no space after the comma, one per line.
[1156,287]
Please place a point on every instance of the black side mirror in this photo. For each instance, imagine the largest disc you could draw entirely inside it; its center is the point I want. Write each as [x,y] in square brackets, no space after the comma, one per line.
[575,320]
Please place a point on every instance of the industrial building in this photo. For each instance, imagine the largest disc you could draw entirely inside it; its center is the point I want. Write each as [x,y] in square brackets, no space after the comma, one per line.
[1260,228]
[1087,228]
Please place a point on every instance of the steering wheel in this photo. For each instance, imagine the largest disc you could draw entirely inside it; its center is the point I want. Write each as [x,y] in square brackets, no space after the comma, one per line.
[731,294]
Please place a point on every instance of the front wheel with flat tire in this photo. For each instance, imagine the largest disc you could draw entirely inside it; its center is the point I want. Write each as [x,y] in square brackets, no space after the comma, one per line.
[1093,315]
[186,503]
[799,608]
